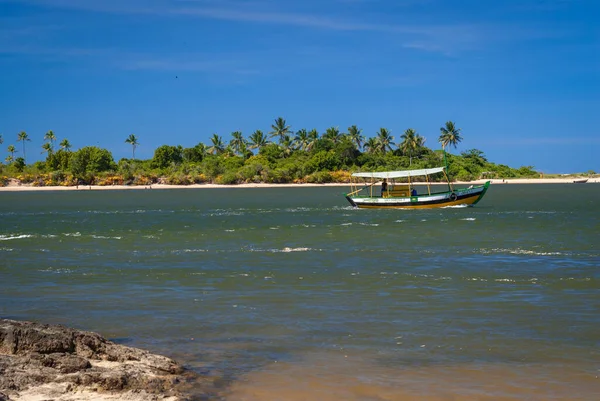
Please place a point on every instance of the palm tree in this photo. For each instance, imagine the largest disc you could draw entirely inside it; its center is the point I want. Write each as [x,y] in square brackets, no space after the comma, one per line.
[371,145]
[133,141]
[12,150]
[227,152]
[301,139]
[384,140]
[280,129]
[287,145]
[201,148]
[258,140]
[23,137]
[50,137]
[217,145]
[65,144]
[1,140]
[354,134]
[449,135]
[313,137]
[410,143]
[47,148]
[245,152]
[237,142]
[333,133]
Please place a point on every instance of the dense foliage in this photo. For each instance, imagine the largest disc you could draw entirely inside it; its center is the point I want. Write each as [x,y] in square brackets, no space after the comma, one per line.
[281,156]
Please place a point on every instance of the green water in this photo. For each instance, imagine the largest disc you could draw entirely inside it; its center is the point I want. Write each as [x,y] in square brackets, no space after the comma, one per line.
[288,293]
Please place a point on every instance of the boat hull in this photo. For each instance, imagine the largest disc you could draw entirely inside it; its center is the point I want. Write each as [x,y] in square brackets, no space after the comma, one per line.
[468,196]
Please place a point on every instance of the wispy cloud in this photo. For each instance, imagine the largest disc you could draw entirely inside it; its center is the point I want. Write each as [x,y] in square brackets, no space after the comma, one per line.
[443,38]
[222,64]
[447,39]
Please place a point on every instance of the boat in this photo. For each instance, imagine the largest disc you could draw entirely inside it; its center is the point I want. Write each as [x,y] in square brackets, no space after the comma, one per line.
[399,190]
[580,181]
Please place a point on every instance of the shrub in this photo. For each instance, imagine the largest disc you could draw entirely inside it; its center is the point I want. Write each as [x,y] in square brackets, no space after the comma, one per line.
[166,155]
[320,177]
[228,178]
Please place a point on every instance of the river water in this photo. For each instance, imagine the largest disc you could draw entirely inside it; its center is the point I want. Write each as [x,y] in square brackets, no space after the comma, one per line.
[290,294]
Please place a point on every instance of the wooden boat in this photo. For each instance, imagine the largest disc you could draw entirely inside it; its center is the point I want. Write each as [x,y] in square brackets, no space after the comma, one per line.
[580,181]
[401,191]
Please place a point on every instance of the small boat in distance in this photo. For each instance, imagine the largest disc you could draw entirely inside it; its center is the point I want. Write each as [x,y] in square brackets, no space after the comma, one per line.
[398,191]
[580,181]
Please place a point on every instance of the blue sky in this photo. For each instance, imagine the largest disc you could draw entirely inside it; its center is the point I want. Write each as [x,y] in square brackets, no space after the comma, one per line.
[521,78]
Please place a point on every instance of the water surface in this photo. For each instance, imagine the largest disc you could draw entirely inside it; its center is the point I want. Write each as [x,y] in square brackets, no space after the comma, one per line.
[290,294]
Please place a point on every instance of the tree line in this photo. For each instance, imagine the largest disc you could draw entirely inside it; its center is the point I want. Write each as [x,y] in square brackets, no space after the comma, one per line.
[279,156]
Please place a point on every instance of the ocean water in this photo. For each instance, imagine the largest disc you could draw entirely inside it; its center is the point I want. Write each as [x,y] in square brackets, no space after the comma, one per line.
[290,294]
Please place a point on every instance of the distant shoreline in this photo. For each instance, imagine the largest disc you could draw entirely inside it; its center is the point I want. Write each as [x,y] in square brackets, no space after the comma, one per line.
[29,187]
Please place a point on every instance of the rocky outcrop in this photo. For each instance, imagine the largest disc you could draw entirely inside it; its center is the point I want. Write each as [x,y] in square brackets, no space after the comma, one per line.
[52,362]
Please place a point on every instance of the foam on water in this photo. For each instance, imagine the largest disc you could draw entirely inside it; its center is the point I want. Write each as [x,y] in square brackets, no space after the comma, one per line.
[519,251]
[13,237]
[455,207]
[104,237]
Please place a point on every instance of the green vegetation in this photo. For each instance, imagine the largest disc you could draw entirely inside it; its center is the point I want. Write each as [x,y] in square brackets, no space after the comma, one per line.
[281,156]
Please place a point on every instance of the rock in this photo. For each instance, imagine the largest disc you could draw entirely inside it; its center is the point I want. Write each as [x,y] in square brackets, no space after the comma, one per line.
[55,362]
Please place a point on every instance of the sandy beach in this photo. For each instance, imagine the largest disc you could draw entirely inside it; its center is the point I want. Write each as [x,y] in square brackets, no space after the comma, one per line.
[29,187]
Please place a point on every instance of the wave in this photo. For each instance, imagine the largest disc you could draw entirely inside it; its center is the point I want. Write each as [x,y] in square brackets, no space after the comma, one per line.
[519,251]
[11,237]
[455,207]
[104,237]
[190,250]
[56,270]
[285,250]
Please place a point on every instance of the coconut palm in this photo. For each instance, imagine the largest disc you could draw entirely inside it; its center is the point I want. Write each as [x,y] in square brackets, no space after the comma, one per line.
[12,150]
[301,139]
[23,137]
[47,148]
[244,150]
[133,141]
[280,129]
[313,137]
[65,144]
[371,145]
[333,133]
[354,134]
[217,145]
[287,145]
[410,143]
[258,140]
[50,137]
[449,135]
[384,140]
[201,149]
[237,142]
[227,152]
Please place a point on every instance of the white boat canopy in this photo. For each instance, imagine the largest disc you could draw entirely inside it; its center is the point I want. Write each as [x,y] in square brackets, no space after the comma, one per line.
[400,173]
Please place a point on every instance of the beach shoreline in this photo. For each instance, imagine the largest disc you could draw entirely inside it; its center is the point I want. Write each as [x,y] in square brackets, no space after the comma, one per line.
[29,187]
